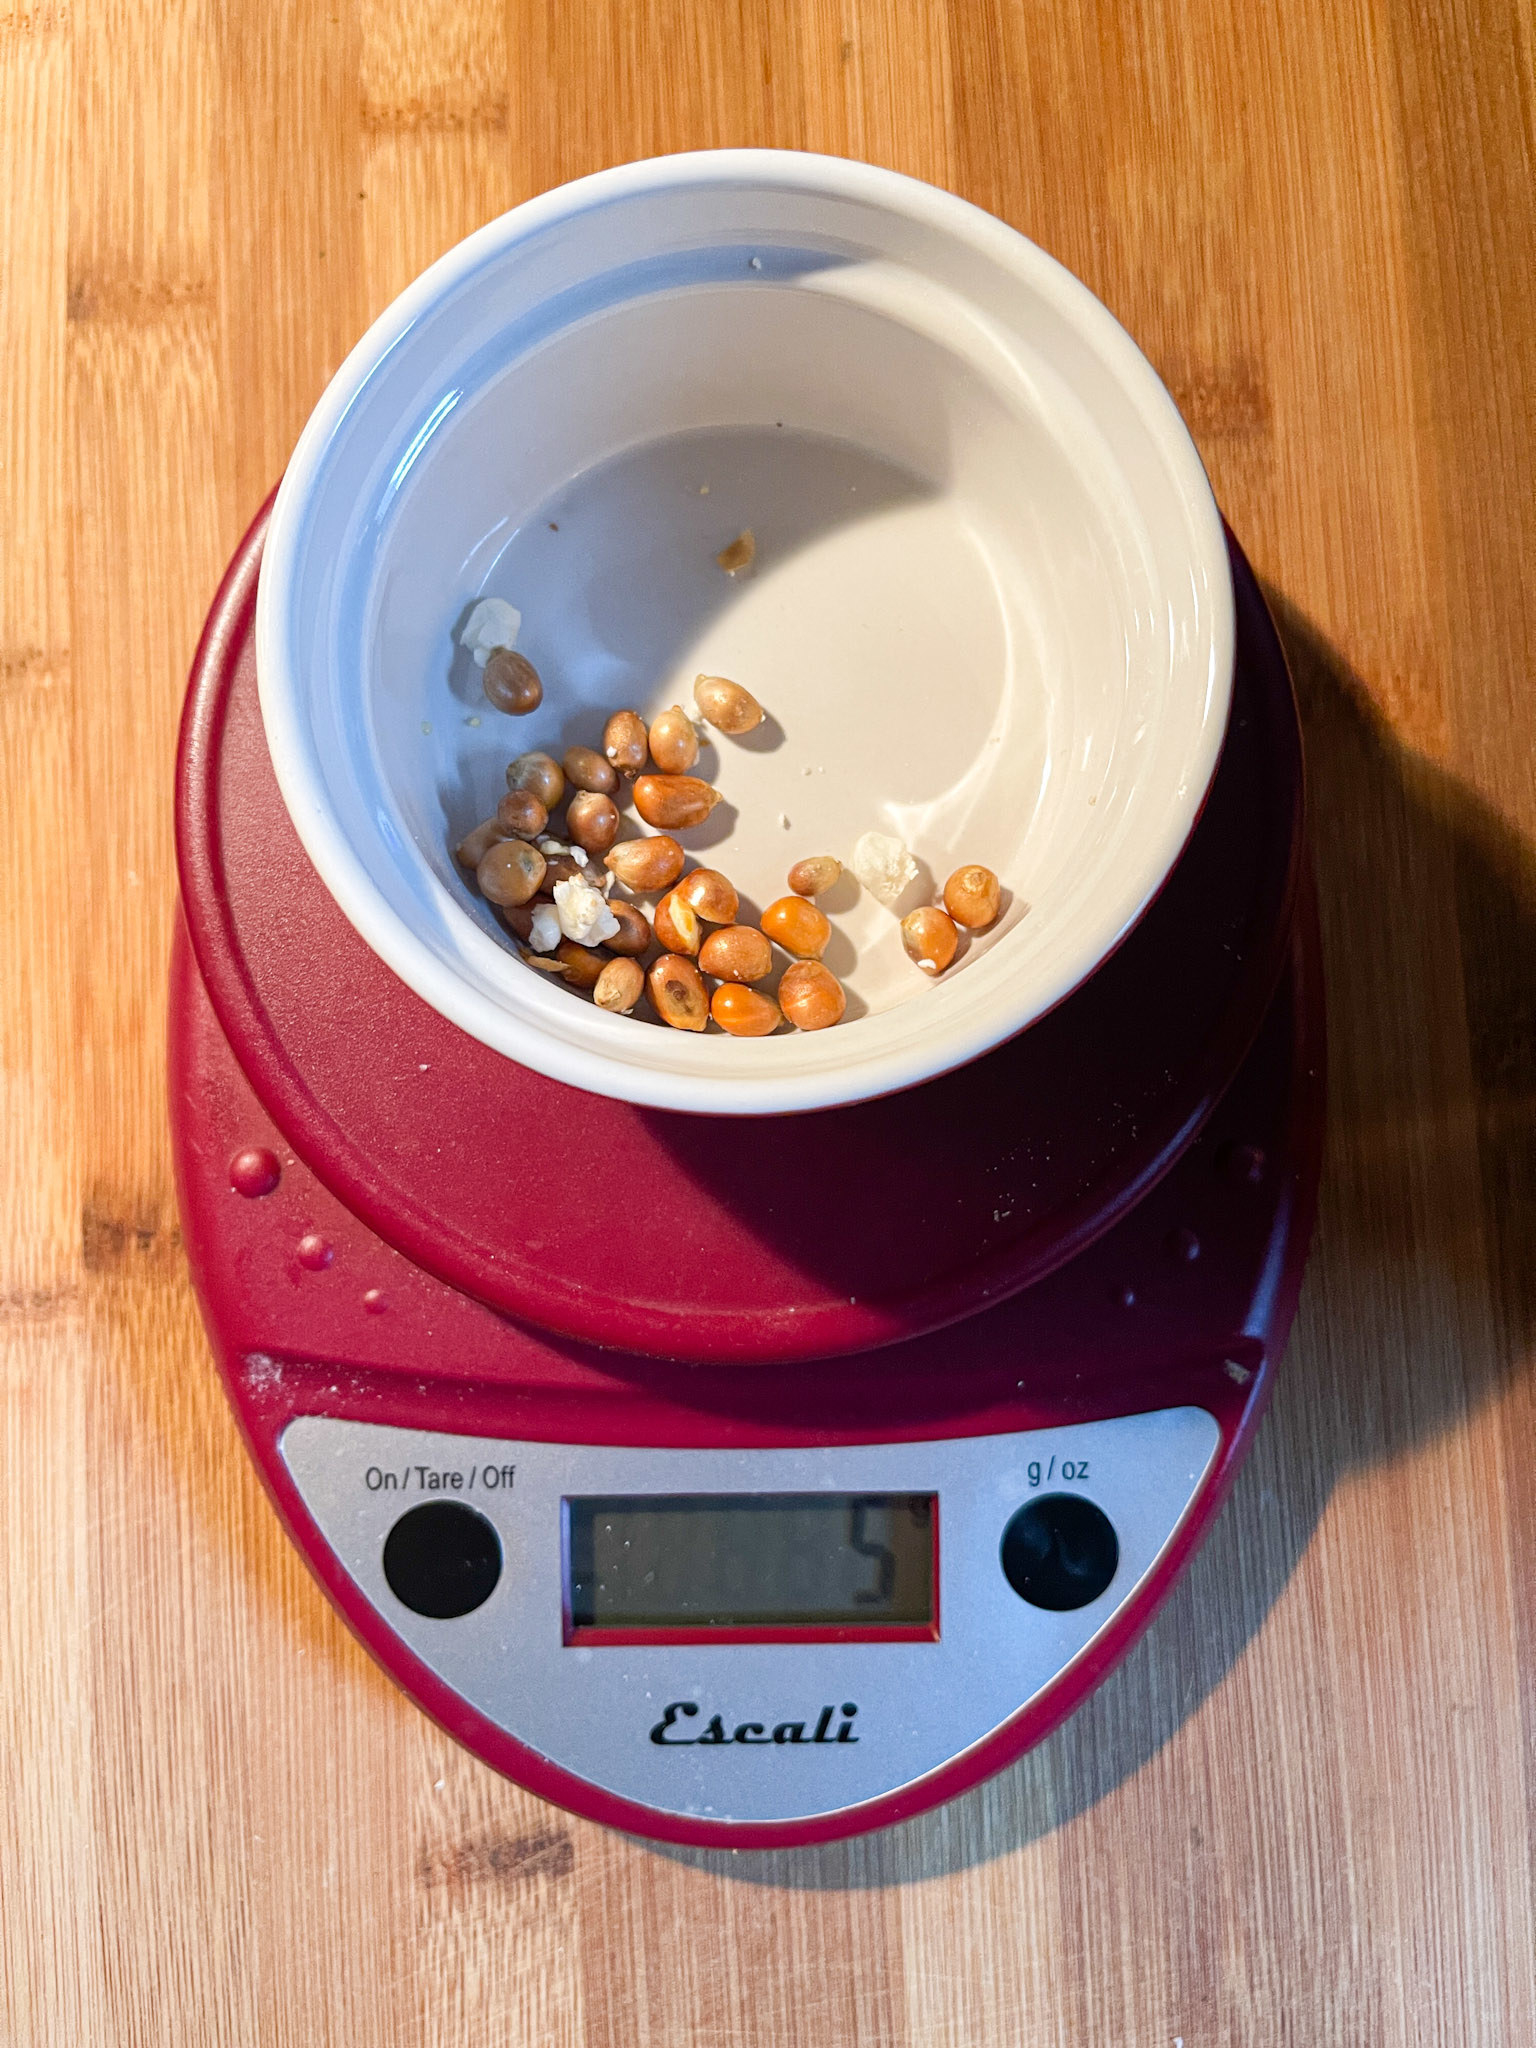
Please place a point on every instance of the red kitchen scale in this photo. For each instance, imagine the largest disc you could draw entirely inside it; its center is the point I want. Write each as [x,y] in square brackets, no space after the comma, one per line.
[761,1481]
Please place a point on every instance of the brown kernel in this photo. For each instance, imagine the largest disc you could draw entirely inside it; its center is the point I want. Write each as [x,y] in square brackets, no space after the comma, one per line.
[674,802]
[583,964]
[474,846]
[815,875]
[619,986]
[711,895]
[677,993]
[511,682]
[744,1012]
[646,865]
[585,768]
[930,939]
[677,924]
[799,927]
[522,815]
[737,952]
[971,896]
[674,743]
[633,934]
[546,963]
[726,705]
[542,774]
[738,554]
[511,872]
[518,919]
[559,867]
[592,821]
[625,743]
[811,996]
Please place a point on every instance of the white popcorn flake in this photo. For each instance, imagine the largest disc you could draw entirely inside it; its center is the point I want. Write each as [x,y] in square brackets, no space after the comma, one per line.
[578,854]
[884,865]
[544,934]
[583,913]
[551,846]
[493,623]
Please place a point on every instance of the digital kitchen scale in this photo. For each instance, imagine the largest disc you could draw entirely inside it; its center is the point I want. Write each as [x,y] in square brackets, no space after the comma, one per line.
[755,1481]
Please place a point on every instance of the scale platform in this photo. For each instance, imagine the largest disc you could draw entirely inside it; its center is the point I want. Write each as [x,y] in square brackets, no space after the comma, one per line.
[761,1481]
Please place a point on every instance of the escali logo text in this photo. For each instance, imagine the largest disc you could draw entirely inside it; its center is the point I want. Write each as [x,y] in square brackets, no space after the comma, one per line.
[668,1732]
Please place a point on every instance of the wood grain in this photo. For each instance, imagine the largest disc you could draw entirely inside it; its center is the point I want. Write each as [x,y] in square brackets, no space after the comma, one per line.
[1302,1812]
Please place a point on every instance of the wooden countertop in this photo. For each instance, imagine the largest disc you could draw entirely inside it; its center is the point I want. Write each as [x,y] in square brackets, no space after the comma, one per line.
[1301,1812]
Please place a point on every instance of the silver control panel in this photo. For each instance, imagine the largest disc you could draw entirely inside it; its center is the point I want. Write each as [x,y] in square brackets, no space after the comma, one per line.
[463,1545]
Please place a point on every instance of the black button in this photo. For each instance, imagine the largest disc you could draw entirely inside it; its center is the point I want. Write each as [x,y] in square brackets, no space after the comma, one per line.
[442,1559]
[1060,1552]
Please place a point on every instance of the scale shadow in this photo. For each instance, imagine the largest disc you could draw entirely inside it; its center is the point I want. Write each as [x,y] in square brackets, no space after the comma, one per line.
[1428,906]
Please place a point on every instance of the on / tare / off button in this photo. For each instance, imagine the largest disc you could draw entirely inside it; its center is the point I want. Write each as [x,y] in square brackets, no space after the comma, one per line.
[1060,1552]
[442,1559]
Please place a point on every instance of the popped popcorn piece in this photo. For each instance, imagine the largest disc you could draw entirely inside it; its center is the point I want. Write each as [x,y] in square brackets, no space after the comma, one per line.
[493,623]
[884,865]
[545,934]
[583,912]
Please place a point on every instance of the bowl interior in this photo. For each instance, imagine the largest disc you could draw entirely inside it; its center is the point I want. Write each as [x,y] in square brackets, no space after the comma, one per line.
[989,611]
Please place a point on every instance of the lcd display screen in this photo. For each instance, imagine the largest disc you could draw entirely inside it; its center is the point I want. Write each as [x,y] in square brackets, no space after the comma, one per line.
[745,1561]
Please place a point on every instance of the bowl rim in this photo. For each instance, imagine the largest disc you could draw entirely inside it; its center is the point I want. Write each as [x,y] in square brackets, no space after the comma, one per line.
[296,763]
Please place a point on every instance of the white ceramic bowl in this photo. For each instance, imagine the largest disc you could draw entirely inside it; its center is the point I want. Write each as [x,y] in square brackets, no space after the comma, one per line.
[991,611]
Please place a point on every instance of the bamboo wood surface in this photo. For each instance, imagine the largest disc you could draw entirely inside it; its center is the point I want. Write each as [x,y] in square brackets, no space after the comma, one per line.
[1302,1811]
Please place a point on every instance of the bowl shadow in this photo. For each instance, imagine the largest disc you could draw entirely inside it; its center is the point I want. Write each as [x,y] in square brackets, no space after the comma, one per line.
[627,582]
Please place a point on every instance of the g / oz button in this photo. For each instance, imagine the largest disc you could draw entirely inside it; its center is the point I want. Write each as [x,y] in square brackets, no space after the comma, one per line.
[1060,1552]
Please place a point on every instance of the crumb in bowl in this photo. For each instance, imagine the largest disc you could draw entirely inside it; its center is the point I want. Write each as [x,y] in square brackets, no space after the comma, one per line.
[738,555]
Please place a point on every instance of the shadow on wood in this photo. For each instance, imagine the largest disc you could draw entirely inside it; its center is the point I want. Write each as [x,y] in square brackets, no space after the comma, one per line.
[1428,1213]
